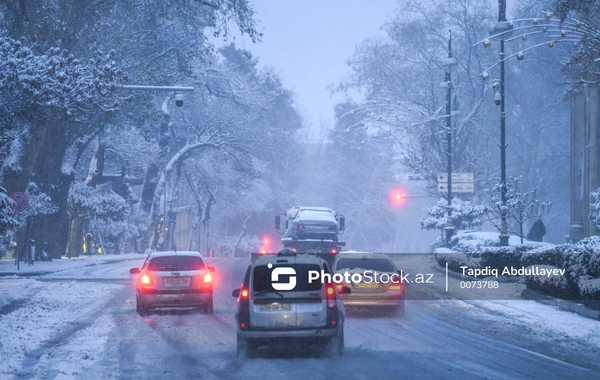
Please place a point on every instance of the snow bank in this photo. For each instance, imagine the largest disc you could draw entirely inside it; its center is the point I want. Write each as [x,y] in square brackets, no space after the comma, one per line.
[580,260]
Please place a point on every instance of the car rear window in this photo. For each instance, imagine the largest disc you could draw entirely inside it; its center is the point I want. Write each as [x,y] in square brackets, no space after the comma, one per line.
[376,265]
[261,281]
[175,263]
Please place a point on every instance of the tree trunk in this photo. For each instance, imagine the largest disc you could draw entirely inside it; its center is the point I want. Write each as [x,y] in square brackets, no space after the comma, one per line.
[194,231]
[18,167]
[206,220]
[242,233]
[76,236]
[51,231]
[96,171]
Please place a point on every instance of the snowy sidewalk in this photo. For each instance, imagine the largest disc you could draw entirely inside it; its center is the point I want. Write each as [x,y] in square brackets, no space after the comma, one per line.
[9,268]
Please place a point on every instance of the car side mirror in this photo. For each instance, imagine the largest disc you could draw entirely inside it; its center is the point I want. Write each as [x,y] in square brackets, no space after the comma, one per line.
[342,222]
[134,271]
[210,268]
[345,290]
[235,293]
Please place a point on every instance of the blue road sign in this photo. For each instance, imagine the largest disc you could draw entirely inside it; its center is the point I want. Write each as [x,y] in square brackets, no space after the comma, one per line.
[21,202]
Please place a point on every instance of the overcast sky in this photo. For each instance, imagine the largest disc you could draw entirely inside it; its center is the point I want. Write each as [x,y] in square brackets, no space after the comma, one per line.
[309,41]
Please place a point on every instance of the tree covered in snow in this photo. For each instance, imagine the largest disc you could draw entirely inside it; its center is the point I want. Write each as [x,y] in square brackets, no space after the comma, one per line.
[352,173]
[595,208]
[465,215]
[91,207]
[89,202]
[400,74]
[49,101]
[7,216]
[155,43]
[519,206]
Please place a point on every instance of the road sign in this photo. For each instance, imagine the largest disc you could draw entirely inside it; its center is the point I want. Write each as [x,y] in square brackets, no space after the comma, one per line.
[457,187]
[456,177]
[21,202]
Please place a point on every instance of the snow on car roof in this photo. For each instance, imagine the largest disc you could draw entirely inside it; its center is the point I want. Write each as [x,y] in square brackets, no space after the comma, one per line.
[356,254]
[321,215]
[298,259]
[175,253]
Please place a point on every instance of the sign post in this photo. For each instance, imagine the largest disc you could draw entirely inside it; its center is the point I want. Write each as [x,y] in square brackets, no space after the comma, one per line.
[21,204]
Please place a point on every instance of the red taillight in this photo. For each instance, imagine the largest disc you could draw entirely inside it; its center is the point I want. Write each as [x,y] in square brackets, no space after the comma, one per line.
[395,287]
[333,250]
[145,279]
[207,278]
[300,226]
[332,311]
[243,316]
[339,287]
[295,249]
[330,291]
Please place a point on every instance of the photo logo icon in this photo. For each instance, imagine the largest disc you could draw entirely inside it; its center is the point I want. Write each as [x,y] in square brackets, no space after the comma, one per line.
[282,271]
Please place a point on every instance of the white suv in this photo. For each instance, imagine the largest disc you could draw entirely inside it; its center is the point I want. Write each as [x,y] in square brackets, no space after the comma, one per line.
[277,304]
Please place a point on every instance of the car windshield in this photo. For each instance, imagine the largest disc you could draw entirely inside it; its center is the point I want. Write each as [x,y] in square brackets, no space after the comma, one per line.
[175,263]
[262,278]
[378,265]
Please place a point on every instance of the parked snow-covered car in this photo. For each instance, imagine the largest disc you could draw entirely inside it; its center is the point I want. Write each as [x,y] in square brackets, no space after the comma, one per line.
[173,279]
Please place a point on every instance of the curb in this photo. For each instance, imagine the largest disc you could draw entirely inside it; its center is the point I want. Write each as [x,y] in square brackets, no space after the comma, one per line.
[571,306]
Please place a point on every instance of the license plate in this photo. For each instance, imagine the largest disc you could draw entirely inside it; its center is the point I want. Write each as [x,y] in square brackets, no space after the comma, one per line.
[275,307]
[367,285]
[176,281]
[315,227]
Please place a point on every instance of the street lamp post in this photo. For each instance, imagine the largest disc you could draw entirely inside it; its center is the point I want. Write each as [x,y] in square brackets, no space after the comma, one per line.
[502,26]
[449,64]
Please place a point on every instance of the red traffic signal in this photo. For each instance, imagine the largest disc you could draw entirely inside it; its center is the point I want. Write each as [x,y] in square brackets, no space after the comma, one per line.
[397,197]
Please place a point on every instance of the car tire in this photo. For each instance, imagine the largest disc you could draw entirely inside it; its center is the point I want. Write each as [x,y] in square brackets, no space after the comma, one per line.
[340,343]
[142,309]
[244,348]
[208,308]
[335,345]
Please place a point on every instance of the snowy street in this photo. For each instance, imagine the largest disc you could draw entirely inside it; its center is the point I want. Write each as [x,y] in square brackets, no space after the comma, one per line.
[80,322]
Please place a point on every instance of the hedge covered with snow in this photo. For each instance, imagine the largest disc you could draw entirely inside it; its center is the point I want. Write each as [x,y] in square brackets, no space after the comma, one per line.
[581,262]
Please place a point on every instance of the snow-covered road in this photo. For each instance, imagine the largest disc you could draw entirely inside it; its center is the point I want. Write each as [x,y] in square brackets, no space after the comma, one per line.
[81,323]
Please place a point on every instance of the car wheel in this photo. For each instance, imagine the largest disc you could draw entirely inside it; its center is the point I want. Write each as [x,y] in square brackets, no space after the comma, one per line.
[335,346]
[208,308]
[143,309]
[340,343]
[244,348]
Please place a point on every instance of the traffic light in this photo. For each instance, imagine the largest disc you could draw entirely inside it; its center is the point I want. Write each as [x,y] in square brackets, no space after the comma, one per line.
[265,245]
[397,197]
